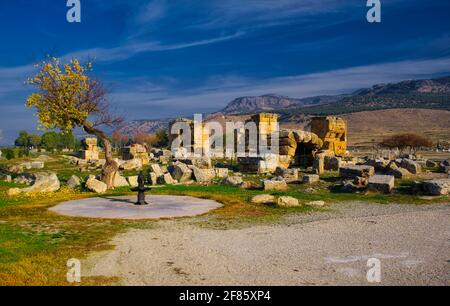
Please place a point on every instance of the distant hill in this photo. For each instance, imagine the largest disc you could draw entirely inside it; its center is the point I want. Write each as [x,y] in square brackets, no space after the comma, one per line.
[376,125]
[266,103]
[364,127]
[272,103]
[144,126]
[412,94]
[430,94]
[426,94]
[433,86]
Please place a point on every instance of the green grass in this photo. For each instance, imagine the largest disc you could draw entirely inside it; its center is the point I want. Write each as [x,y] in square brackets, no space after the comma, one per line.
[323,191]
[16,243]
[35,243]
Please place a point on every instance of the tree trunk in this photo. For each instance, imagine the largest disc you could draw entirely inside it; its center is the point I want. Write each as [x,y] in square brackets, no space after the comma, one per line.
[111,167]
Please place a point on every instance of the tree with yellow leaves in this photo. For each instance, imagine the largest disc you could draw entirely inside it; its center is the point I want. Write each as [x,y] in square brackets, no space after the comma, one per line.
[67,98]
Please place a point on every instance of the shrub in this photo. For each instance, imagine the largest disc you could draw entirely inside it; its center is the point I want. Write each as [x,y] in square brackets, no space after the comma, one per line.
[413,142]
[11,153]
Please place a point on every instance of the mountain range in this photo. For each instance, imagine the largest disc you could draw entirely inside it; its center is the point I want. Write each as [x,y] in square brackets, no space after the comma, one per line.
[422,94]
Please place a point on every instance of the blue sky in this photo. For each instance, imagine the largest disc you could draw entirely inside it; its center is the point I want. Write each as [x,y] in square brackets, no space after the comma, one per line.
[168,58]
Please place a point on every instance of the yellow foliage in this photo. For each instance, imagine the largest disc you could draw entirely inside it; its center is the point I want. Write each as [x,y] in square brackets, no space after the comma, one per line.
[62,96]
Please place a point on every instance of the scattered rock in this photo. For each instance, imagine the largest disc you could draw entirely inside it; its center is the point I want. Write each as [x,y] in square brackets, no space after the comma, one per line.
[310,190]
[15,169]
[272,185]
[100,163]
[92,176]
[349,187]
[199,162]
[82,162]
[350,172]
[164,159]
[26,165]
[120,181]
[444,167]
[202,162]
[155,168]
[203,175]
[74,182]
[133,181]
[166,179]
[181,173]
[360,181]
[436,187]
[37,165]
[164,168]
[96,186]
[431,164]
[311,179]
[222,172]
[24,179]
[233,181]
[249,164]
[289,175]
[332,163]
[13,192]
[287,202]
[43,182]
[380,165]
[264,199]
[319,164]
[153,179]
[251,185]
[411,166]
[132,164]
[5,178]
[382,183]
[399,173]
[316,204]
[268,163]
[407,156]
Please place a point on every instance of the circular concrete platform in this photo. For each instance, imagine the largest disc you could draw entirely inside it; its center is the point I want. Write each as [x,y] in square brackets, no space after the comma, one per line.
[124,208]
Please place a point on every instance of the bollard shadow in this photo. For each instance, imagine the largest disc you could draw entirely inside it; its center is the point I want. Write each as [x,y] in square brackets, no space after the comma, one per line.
[112,199]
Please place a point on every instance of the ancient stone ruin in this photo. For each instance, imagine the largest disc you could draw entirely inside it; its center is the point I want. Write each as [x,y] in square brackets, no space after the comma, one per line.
[90,151]
[136,151]
[333,132]
[300,148]
[198,138]
[328,138]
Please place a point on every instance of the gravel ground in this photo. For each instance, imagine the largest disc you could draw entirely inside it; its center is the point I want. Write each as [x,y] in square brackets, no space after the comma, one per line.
[326,248]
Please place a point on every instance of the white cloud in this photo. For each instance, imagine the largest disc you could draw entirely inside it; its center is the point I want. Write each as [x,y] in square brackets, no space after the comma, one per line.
[260,13]
[218,91]
[12,79]
[153,11]
[132,49]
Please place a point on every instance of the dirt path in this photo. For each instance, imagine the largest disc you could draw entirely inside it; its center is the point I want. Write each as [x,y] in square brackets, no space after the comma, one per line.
[412,243]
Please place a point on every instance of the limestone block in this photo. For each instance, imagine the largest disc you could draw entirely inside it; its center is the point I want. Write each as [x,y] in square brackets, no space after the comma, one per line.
[358,170]
[311,179]
[411,166]
[133,181]
[272,185]
[436,187]
[288,202]
[74,182]
[181,173]
[382,183]
[96,186]
[263,199]
[120,181]
[156,169]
